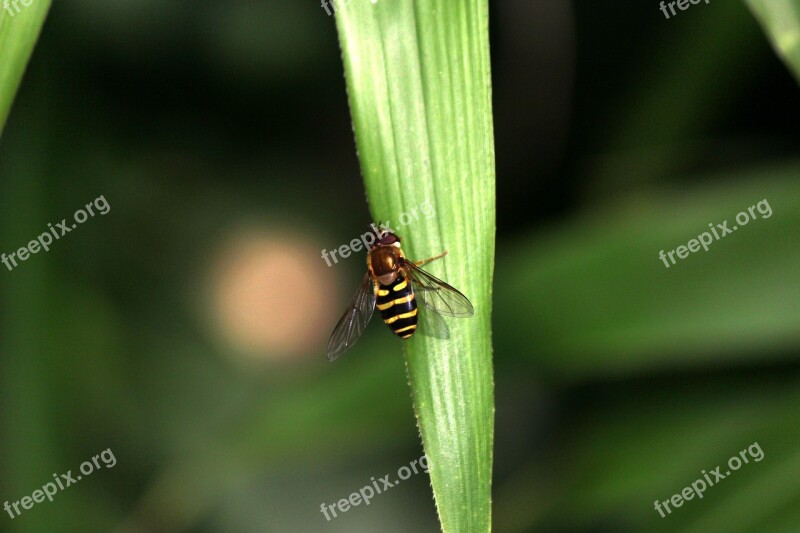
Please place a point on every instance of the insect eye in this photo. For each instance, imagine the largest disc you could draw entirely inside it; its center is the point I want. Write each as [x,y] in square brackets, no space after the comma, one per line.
[389,238]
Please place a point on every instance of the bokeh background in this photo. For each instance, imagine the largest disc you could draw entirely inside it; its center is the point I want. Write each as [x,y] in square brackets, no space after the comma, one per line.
[185,330]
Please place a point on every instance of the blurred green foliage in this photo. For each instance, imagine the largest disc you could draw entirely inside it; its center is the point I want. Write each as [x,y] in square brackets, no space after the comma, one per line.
[617,380]
[781,21]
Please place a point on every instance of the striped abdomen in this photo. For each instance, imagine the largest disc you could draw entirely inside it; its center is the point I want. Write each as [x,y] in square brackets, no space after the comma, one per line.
[398,307]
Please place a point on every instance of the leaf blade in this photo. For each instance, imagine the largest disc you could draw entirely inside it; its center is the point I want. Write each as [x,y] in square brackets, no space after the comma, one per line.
[781,20]
[18,35]
[420,96]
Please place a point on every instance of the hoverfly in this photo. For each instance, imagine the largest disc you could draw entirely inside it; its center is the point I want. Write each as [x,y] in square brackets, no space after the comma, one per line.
[390,284]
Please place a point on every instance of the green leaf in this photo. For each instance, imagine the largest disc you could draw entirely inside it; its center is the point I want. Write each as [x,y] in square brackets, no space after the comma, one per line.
[419,85]
[18,34]
[592,297]
[781,21]
[620,455]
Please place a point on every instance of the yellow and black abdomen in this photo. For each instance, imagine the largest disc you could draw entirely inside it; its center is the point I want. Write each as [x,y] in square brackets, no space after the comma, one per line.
[398,307]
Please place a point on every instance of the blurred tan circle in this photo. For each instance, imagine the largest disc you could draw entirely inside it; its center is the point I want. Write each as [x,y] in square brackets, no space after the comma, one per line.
[270,296]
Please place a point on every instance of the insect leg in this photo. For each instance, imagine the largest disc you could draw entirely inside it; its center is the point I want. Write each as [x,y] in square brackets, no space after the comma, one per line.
[420,263]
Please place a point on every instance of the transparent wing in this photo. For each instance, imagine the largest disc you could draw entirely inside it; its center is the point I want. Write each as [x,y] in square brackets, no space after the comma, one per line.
[436,294]
[354,320]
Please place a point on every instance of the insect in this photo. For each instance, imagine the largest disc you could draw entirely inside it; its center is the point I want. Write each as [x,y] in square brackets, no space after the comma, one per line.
[391,284]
